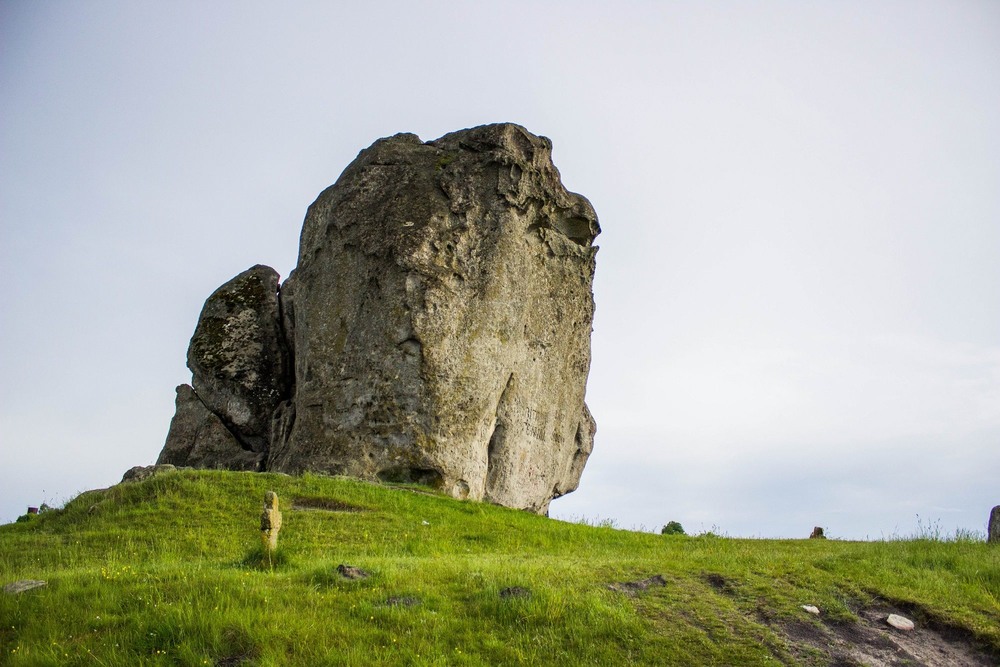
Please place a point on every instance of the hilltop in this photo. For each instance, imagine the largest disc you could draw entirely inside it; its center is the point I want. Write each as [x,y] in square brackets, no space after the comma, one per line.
[166,571]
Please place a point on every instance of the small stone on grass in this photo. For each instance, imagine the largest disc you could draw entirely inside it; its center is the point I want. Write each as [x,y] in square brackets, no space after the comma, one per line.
[402,601]
[899,622]
[812,609]
[21,586]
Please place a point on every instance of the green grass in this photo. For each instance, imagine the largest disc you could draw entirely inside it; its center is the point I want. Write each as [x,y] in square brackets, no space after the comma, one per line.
[169,572]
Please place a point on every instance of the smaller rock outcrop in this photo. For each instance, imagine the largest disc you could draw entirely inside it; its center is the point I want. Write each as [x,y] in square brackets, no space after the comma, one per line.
[198,439]
[817,534]
[270,523]
[139,473]
[993,528]
[238,357]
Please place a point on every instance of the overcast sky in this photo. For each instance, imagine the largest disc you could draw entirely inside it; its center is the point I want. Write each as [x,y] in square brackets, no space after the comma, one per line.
[798,287]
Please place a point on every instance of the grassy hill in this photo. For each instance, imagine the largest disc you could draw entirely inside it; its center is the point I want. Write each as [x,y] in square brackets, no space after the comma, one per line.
[168,571]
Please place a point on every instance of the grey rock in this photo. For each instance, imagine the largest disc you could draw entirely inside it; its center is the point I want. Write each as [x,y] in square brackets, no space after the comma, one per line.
[441,321]
[197,438]
[436,329]
[238,356]
[139,473]
[993,528]
[23,585]
[817,534]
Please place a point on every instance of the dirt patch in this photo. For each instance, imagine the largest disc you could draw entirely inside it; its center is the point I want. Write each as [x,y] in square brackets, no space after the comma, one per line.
[873,643]
[515,592]
[635,587]
[719,583]
[324,505]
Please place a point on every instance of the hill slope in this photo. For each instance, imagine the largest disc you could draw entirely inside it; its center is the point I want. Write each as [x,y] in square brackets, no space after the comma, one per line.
[167,571]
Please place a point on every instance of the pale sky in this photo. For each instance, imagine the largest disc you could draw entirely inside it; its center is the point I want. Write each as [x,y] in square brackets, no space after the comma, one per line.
[798,287]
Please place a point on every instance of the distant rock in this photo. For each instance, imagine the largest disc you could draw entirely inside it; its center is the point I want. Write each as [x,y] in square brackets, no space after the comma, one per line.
[817,534]
[436,329]
[139,473]
[993,528]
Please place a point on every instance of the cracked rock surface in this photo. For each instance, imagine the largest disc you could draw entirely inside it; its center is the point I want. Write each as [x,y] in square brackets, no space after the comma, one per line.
[435,330]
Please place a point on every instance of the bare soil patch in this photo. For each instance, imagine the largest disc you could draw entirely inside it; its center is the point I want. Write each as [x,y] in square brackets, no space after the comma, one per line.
[871,642]
[633,588]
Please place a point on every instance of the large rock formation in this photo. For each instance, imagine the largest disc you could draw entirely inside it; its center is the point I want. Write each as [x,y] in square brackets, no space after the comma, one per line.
[436,329]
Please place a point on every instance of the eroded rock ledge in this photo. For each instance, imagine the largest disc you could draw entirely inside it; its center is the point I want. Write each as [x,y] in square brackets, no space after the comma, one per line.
[435,330]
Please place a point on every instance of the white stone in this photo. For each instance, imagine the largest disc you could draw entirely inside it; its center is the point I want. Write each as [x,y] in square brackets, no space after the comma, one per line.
[811,609]
[899,622]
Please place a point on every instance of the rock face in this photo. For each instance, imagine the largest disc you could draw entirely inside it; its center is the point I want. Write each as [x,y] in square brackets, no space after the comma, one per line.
[197,438]
[238,357]
[436,329]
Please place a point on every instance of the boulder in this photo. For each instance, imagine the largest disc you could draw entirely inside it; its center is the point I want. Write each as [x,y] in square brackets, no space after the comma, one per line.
[435,330]
[993,528]
[238,357]
[197,438]
[442,320]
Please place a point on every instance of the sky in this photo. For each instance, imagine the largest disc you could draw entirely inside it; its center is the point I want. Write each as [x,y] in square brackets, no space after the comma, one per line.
[798,282]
